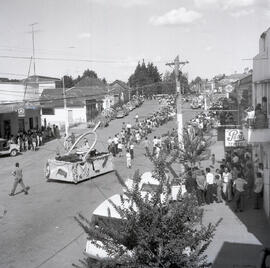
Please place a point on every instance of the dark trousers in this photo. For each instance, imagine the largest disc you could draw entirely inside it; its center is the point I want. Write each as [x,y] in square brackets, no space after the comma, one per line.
[239,200]
[209,194]
[257,197]
[200,196]
[132,153]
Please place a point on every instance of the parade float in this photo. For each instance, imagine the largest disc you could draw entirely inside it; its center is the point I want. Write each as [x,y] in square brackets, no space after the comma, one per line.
[81,162]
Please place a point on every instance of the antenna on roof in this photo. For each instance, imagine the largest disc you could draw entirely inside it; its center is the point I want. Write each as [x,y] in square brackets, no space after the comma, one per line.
[33,44]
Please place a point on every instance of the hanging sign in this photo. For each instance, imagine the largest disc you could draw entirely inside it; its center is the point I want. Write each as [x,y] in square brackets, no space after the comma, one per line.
[234,138]
[21,112]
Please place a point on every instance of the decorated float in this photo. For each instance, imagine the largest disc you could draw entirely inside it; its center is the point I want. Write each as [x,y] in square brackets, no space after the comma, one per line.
[81,162]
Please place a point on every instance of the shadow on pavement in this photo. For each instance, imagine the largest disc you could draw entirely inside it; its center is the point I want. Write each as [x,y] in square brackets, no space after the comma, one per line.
[240,255]
[243,256]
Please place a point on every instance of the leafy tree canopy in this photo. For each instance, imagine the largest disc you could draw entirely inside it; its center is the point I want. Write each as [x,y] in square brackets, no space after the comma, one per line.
[159,232]
[144,75]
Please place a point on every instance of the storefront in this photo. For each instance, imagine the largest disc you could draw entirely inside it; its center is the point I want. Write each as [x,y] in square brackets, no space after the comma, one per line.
[18,117]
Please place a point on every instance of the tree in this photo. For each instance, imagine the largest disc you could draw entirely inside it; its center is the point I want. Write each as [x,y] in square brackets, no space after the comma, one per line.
[144,75]
[104,81]
[170,77]
[89,73]
[159,233]
[68,81]
[194,147]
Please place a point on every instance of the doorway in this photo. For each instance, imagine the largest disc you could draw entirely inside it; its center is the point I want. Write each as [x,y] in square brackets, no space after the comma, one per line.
[21,125]
[7,129]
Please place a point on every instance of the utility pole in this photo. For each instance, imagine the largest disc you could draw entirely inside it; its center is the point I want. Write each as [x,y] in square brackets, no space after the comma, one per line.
[177,64]
[65,108]
[33,46]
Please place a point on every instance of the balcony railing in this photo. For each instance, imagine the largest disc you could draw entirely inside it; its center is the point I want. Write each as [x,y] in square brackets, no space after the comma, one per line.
[259,122]
[257,130]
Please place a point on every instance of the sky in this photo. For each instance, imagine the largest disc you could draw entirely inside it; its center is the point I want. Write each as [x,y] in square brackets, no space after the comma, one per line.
[215,36]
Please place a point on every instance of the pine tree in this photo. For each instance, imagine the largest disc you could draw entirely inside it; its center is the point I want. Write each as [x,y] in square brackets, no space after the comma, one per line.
[158,233]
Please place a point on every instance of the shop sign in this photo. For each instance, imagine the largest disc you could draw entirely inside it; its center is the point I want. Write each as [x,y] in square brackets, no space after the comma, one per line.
[234,138]
[21,112]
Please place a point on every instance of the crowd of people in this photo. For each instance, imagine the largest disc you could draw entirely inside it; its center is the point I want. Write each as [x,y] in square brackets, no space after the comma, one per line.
[132,135]
[32,139]
[237,177]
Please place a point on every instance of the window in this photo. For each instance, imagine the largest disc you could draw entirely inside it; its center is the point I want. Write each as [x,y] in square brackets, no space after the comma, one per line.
[48,111]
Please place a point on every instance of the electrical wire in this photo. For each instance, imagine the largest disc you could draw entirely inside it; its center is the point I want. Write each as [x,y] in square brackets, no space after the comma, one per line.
[62,59]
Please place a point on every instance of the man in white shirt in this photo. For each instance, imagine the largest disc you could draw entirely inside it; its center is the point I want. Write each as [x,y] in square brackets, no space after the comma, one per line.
[128,126]
[210,186]
[239,185]
[116,140]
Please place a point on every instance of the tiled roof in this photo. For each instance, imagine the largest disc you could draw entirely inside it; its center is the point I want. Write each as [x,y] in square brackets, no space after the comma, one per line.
[118,86]
[76,96]
[89,82]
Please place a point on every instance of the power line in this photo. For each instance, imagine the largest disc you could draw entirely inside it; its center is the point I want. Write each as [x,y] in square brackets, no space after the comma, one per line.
[62,59]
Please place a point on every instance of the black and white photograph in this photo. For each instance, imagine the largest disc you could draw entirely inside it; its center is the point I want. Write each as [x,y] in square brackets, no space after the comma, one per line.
[134,133]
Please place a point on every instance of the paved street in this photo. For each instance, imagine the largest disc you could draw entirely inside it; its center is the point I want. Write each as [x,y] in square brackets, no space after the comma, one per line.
[39,225]
[39,230]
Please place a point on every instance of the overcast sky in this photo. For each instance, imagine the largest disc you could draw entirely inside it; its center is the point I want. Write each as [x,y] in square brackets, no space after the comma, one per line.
[214,35]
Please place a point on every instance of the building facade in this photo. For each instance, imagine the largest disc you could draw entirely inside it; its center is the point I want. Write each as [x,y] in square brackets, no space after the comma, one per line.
[259,134]
[84,102]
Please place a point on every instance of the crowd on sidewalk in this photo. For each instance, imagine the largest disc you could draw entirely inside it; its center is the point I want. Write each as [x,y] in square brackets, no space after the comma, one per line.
[34,138]
[237,177]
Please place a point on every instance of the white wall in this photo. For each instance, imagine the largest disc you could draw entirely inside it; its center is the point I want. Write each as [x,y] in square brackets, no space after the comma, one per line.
[78,116]
[15,92]
[108,101]
[261,63]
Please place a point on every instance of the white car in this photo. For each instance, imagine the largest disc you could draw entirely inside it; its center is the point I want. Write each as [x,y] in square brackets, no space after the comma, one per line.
[149,184]
[11,149]
[106,211]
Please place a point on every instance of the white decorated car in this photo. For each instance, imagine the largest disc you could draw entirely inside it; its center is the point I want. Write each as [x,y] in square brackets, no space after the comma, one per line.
[106,212]
[148,184]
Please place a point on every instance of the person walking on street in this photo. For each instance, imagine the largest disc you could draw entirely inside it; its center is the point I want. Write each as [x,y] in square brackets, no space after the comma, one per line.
[137,118]
[258,188]
[18,174]
[128,156]
[146,145]
[131,150]
[238,185]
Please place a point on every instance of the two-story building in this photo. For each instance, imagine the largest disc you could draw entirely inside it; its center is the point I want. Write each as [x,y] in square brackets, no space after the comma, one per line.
[19,109]
[259,133]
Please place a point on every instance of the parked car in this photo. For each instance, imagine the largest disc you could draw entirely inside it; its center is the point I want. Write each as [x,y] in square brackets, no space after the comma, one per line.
[120,114]
[11,149]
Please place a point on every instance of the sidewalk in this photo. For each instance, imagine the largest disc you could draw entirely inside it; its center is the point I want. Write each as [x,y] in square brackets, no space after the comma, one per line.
[240,236]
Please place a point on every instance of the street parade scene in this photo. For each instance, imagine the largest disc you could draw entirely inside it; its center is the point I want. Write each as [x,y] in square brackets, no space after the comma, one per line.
[134,134]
